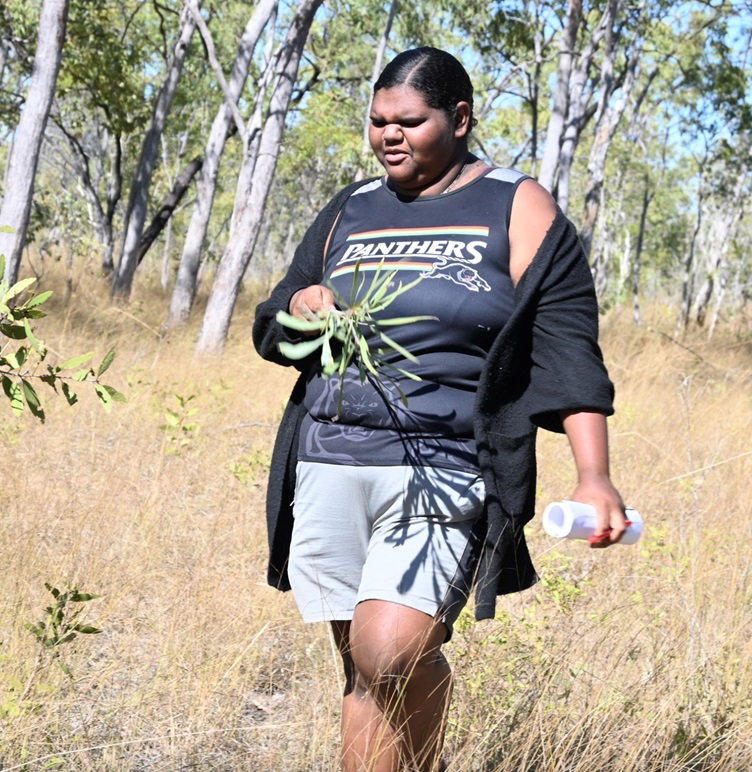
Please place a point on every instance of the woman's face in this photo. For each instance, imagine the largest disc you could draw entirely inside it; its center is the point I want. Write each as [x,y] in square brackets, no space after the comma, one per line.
[418,145]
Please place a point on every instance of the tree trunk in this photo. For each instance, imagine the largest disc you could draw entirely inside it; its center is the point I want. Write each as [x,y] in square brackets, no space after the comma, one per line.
[609,116]
[378,63]
[182,181]
[139,197]
[22,162]
[185,284]
[579,111]
[91,175]
[690,271]
[240,247]
[255,124]
[717,243]
[555,130]
[646,201]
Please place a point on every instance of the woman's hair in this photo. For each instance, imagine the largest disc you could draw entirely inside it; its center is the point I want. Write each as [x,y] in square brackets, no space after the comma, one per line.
[436,74]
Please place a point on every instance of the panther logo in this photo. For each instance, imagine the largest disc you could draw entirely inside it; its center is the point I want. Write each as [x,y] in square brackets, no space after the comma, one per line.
[460,274]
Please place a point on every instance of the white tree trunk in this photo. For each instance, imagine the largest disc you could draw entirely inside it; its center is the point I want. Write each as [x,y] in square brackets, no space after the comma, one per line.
[139,197]
[720,228]
[22,162]
[555,130]
[240,247]
[578,111]
[255,124]
[610,113]
[377,65]
[185,284]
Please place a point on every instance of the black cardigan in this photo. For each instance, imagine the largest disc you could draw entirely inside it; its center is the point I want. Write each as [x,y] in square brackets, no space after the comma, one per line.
[545,360]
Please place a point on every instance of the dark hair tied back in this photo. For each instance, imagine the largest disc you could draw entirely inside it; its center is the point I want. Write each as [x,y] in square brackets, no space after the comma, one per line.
[436,74]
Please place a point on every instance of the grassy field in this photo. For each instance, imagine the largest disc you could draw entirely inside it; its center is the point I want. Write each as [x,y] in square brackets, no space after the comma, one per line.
[636,658]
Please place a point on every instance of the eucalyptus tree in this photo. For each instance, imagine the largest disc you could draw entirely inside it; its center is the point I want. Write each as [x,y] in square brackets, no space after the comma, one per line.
[136,212]
[516,46]
[185,286]
[100,106]
[22,161]
[250,211]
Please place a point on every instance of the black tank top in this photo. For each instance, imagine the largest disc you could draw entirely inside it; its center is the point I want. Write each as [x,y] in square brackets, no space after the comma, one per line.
[459,244]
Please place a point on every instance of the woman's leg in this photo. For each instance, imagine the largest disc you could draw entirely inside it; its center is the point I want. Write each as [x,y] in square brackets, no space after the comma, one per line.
[398,689]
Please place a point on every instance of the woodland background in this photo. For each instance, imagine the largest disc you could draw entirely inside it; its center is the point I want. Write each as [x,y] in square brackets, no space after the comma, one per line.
[194,142]
[161,160]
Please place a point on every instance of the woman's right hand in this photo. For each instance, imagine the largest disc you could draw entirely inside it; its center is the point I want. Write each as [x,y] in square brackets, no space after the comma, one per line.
[312,302]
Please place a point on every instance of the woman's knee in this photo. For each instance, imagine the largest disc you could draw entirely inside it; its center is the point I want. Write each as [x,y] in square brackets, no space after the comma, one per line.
[383,652]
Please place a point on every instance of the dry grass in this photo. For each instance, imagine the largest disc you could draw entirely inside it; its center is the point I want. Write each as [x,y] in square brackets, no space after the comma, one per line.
[637,658]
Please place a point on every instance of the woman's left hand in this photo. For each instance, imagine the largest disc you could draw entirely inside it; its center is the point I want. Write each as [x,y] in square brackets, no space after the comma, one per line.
[610,520]
[588,436]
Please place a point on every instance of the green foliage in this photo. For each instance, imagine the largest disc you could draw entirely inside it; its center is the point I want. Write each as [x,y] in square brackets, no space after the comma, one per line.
[179,428]
[23,368]
[349,326]
[61,621]
[251,467]
[104,66]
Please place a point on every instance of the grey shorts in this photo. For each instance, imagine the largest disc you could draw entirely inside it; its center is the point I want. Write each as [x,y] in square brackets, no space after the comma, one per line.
[400,534]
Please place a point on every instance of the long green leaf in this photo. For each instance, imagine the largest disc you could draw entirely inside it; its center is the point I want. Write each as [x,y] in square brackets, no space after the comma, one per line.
[13,393]
[14,331]
[70,396]
[106,362]
[296,323]
[17,288]
[104,397]
[32,400]
[39,347]
[74,362]
[300,350]
[396,347]
[397,320]
[116,396]
[37,300]
[365,356]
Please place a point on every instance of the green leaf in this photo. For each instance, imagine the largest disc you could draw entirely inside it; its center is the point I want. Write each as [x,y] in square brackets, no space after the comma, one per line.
[67,638]
[365,356]
[300,350]
[118,397]
[381,290]
[296,323]
[37,300]
[81,375]
[396,347]
[32,400]
[74,362]
[69,394]
[104,397]
[86,629]
[14,331]
[13,392]
[392,296]
[82,597]
[406,320]
[106,362]
[39,347]
[17,288]
[30,313]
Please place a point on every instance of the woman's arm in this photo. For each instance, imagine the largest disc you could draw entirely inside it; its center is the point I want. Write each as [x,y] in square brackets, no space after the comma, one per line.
[533,212]
[588,438]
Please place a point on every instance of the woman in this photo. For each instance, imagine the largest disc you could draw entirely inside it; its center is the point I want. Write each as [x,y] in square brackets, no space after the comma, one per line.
[399,509]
